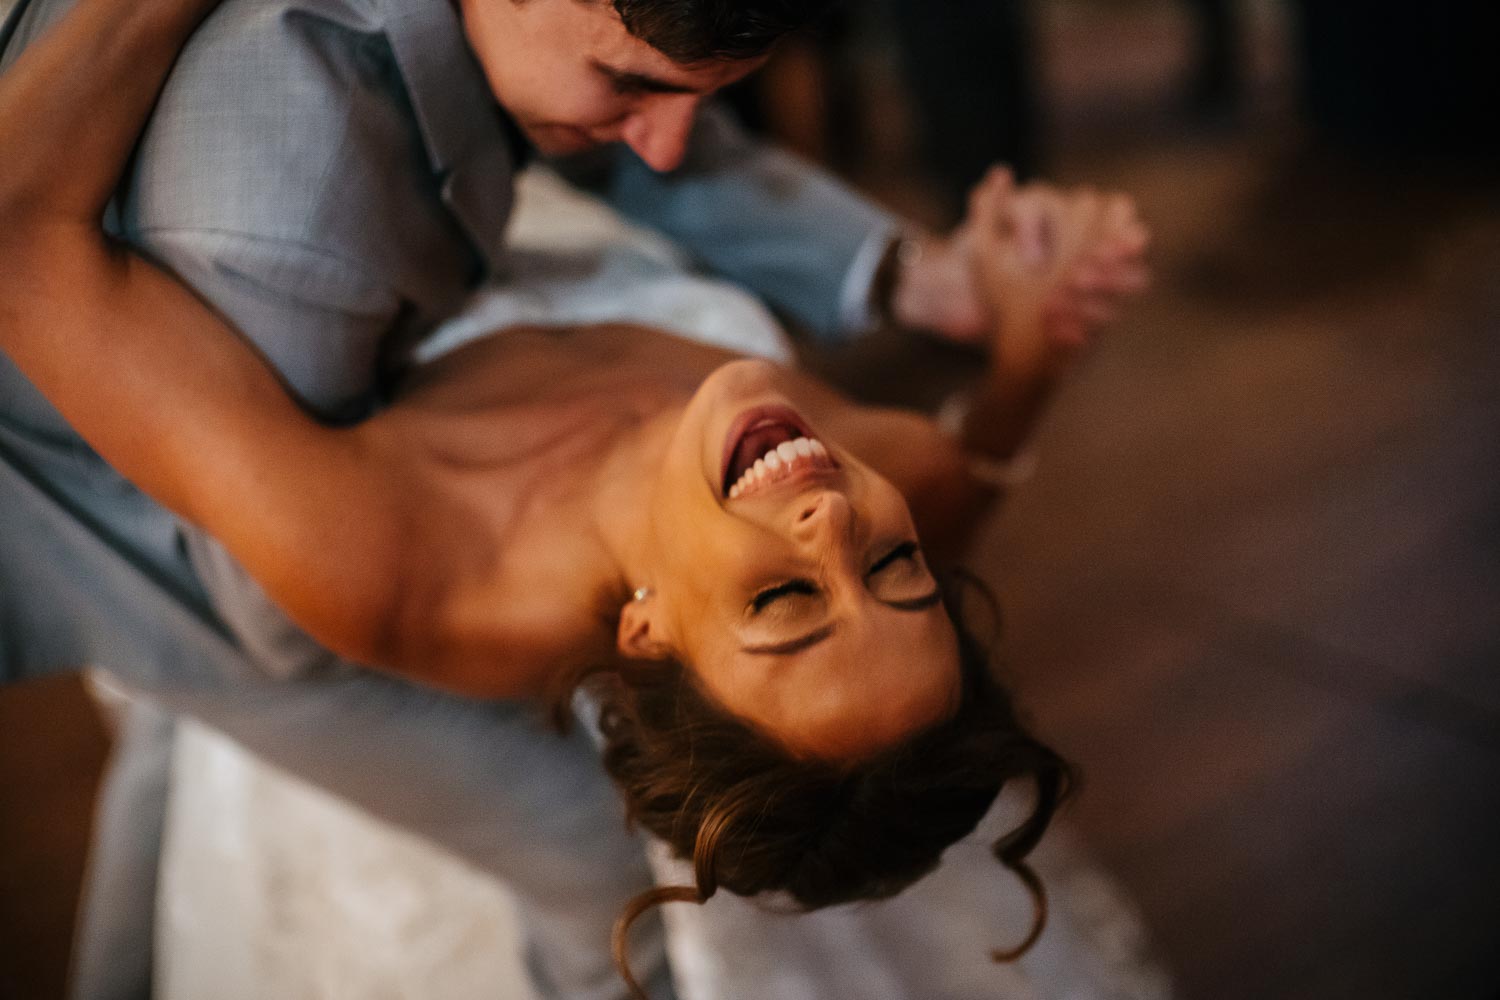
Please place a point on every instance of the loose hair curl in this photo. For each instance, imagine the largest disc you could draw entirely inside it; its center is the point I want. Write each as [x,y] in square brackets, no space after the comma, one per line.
[755,819]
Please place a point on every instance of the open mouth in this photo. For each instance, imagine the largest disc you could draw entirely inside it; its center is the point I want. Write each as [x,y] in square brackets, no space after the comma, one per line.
[768,445]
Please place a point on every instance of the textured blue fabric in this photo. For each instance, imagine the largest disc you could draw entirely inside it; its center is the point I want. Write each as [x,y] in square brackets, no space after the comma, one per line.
[335,178]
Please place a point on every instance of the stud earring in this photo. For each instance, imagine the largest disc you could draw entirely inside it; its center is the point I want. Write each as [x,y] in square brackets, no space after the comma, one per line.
[641,593]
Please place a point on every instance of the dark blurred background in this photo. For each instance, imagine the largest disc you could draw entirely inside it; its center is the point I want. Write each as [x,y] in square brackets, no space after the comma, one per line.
[1254,588]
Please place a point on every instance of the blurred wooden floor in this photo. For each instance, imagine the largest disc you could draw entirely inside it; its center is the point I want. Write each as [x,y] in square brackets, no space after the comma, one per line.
[1254,590]
[52,749]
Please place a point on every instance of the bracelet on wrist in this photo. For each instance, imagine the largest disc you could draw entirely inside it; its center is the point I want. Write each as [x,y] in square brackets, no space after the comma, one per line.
[1001,473]
[905,249]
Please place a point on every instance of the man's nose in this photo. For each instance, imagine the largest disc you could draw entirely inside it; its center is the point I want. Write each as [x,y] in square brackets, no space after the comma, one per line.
[659,130]
[822,518]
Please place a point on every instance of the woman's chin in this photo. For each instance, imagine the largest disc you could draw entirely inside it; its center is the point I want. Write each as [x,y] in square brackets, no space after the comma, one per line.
[743,379]
[725,394]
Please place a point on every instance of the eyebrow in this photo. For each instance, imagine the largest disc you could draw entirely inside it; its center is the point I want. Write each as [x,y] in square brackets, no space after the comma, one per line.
[817,635]
[626,80]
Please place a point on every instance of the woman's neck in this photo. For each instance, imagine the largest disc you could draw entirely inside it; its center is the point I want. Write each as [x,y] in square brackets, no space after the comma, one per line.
[552,440]
[621,498]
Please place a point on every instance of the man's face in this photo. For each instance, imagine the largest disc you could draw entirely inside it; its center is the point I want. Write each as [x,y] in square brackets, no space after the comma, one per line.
[573,78]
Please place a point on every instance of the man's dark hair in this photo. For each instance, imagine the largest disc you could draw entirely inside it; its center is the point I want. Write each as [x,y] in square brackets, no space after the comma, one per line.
[695,31]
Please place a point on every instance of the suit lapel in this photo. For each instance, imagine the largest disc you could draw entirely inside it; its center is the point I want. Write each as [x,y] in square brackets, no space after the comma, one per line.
[464,130]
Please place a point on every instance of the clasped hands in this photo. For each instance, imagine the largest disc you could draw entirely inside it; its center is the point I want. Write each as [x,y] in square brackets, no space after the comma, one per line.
[1031,273]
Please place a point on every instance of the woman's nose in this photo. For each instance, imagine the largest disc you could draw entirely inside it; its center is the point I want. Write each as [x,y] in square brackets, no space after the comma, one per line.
[659,130]
[823,517]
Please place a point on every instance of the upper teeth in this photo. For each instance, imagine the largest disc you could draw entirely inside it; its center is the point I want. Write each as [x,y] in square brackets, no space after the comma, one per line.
[780,462]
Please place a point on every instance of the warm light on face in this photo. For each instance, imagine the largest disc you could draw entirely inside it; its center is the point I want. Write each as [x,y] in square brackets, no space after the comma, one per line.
[804,605]
[842,670]
[573,77]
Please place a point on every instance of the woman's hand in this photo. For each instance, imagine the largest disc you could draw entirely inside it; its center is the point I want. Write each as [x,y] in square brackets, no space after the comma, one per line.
[1049,267]
[1023,255]
[1053,267]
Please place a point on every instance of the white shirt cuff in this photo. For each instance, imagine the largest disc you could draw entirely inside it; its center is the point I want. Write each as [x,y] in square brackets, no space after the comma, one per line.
[857,309]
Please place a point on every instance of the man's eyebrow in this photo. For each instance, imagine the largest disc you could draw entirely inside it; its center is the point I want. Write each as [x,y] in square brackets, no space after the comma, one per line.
[626,80]
[793,645]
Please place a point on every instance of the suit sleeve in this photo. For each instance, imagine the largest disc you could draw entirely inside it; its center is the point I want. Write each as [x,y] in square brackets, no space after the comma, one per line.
[764,218]
[317,319]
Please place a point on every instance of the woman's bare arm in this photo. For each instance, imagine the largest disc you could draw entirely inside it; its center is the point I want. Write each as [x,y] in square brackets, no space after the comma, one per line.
[156,382]
[1054,266]
[74,103]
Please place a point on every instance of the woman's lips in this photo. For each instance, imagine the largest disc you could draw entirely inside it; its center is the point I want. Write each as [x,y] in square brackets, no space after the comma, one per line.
[776,423]
[798,460]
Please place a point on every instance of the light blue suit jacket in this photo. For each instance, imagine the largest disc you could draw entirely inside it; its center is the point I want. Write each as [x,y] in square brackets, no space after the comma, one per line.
[335,177]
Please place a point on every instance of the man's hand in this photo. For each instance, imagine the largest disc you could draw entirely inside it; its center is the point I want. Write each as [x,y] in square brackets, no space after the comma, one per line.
[950,287]
[1045,269]
[1052,266]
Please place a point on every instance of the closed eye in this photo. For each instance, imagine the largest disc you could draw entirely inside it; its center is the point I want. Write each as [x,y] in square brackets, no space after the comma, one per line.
[906,550]
[892,588]
[768,596]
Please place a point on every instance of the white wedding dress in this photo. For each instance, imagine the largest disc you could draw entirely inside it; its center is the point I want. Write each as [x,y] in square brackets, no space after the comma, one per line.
[271,888]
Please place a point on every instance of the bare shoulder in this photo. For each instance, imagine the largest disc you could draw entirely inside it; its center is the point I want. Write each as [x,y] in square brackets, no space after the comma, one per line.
[494,583]
[479,631]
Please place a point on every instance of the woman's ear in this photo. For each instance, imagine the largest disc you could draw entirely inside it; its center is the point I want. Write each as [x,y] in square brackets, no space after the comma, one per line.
[639,636]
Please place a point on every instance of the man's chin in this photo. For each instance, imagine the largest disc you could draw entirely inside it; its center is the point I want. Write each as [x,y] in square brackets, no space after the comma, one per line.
[559,140]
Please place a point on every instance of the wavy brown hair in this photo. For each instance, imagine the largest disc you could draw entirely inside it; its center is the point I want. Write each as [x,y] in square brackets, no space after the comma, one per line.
[753,818]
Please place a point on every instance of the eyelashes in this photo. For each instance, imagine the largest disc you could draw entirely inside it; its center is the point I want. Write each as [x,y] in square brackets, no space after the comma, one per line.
[768,596]
[906,550]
